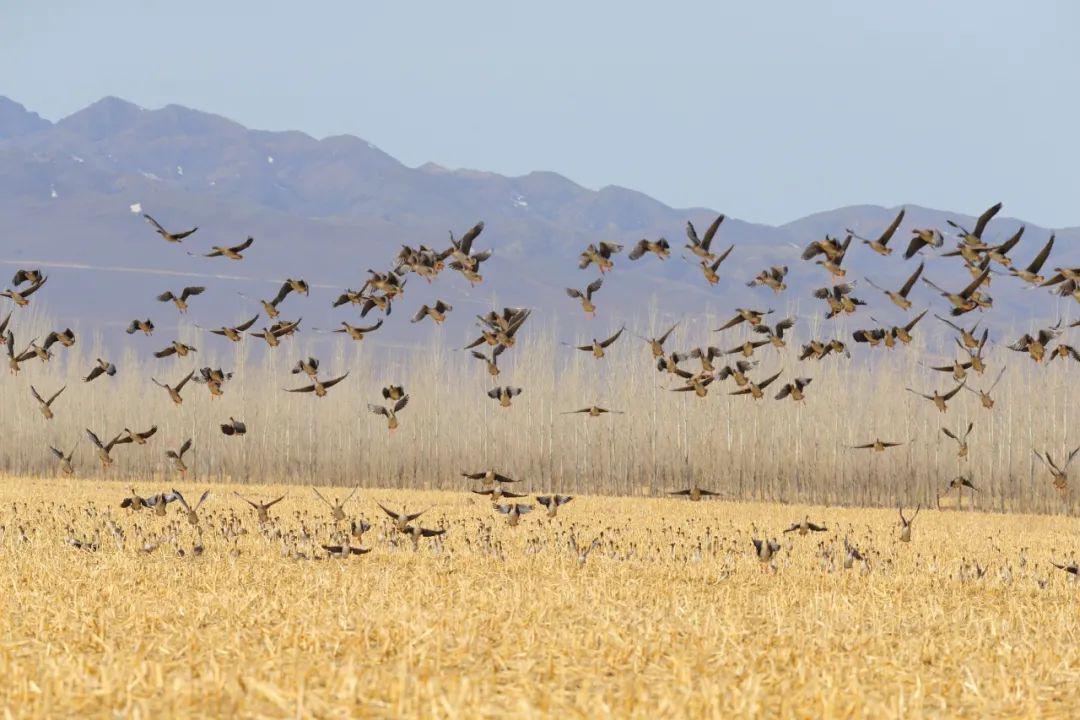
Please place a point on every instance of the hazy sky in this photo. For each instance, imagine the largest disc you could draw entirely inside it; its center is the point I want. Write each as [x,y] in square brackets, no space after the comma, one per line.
[765,110]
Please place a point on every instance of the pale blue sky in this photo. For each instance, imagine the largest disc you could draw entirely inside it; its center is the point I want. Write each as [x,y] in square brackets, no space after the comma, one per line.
[765,110]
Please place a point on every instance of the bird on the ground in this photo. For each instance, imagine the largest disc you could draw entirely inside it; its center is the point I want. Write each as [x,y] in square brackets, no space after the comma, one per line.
[905,523]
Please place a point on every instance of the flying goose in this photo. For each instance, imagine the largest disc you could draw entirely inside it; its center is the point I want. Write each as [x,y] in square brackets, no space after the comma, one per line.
[880,245]
[772,277]
[709,268]
[46,405]
[899,297]
[939,399]
[830,247]
[660,248]
[262,510]
[169,236]
[877,445]
[191,512]
[600,254]
[176,348]
[974,237]
[694,493]
[700,246]
[839,299]
[344,551]
[401,519]
[1030,274]
[1036,346]
[233,427]
[961,440]
[905,523]
[309,367]
[180,301]
[174,390]
[488,477]
[1058,472]
[513,512]
[794,389]
[921,239]
[66,338]
[134,501]
[776,334]
[101,367]
[764,551]
[319,387]
[696,383]
[391,412]
[592,411]
[504,394]
[984,396]
[586,296]
[497,492]
[804,526]
[747,347]
[232,253]
[337,509]
[998,253]
[415,532]
[357,332]
[103,450]
[737,372]
[233,333]
[755,390]
[753,317]
[962,301]
[656,345]
[146,326]
[553,503]
[177,457]
[968,337]
[436,312]
[596,347]
[27,276]
[138,438]
[65,460]
[958,483]
[491,362]
[20,297]
[276,331]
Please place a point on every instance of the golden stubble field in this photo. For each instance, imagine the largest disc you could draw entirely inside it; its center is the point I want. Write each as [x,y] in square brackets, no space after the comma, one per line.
[671,615]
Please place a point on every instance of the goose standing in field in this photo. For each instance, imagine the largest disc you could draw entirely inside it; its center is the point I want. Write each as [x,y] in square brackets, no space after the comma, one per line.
[169,236]
[101,367]
[192,513]
[180,301]
[764,550]
[905,523]
[390,413]
[586,296]
[262,510]
[174,390]
[46,405]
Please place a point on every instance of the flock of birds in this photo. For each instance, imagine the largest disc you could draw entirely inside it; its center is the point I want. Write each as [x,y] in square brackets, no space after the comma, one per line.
[498,329]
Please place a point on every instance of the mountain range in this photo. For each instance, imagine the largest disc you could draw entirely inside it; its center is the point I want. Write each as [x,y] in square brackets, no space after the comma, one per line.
[72,193]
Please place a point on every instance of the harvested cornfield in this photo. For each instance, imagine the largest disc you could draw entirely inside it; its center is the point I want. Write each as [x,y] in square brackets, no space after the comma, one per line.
[670,614]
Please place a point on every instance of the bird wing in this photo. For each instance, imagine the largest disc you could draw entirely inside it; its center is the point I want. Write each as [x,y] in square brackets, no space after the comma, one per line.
[906,288]
[980,224]
[242,246]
